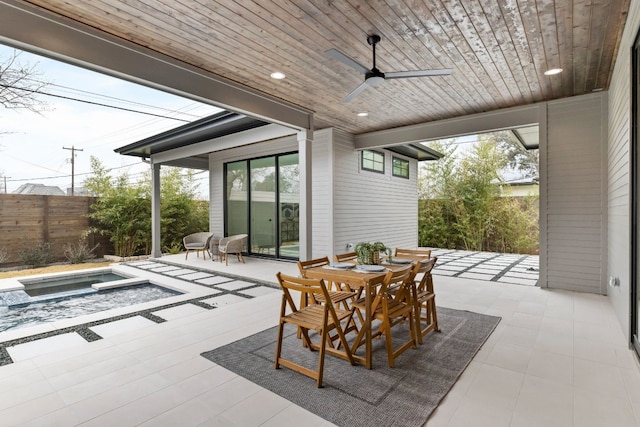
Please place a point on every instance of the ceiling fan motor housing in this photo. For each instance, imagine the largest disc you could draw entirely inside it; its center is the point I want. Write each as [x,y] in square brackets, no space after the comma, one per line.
[374,77]
[373,39]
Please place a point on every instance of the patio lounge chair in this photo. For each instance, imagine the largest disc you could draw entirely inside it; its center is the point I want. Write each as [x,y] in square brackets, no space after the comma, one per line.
[231,245]
[197,242]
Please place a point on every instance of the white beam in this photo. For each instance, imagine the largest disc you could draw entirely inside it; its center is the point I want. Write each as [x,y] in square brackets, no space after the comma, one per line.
[477,123]
[251,136]
[305,220]
[156,238]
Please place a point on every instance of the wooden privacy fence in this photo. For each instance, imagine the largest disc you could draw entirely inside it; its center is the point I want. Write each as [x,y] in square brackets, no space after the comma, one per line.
[27,220]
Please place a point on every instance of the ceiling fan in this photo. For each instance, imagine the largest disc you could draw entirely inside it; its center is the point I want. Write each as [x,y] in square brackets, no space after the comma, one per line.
[373,76]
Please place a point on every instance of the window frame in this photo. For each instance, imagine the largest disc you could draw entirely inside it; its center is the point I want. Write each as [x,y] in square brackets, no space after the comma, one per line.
[375,152]
[404,161]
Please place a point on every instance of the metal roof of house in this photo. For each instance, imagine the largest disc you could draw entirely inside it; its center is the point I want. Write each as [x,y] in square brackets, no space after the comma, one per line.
[207,128]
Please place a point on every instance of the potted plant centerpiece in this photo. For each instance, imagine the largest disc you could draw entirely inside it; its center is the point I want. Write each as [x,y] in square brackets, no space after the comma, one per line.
[369,253]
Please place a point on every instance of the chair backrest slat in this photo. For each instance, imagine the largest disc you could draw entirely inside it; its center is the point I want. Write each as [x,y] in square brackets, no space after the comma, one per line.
[413,252]
[349,256]
[317,262]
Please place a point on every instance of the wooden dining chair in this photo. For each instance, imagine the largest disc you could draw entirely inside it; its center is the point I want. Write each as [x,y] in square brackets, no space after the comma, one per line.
[321,318]
[413,252]
[391,310]
[337,295]
[424,298]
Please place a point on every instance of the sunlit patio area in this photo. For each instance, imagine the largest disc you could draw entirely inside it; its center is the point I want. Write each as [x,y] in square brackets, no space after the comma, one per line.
[556,358]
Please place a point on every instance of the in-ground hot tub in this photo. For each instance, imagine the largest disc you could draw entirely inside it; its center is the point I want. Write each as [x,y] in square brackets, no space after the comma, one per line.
[49,298]
[77,281]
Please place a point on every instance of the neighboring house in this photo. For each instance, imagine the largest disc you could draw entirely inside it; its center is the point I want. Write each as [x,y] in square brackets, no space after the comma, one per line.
[78,191]
[521,188]
[39,189]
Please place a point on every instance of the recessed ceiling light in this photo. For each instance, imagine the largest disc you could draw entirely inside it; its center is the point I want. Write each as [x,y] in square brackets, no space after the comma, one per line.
[553,71]
[363,114]
[278,75]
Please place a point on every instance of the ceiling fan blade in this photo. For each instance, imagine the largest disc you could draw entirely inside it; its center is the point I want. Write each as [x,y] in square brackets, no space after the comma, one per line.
[355,92]
[336,54]
[418,73]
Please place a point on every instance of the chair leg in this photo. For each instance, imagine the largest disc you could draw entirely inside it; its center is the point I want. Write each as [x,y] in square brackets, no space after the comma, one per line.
[389,344]
[417,313]
[323,345]
[279,344]
[434,314]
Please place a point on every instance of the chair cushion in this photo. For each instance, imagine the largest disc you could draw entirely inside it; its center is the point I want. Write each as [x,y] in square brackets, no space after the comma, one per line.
[194,245]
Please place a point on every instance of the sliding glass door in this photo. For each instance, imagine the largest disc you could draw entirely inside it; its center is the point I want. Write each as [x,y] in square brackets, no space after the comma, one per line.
[262,201]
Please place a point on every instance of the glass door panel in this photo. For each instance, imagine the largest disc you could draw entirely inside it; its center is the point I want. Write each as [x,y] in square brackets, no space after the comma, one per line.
[236,198]
[263,215]
[289,201]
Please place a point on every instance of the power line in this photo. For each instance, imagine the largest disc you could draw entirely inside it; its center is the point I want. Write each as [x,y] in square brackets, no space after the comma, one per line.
[68,176]
[98,95]
[93,103]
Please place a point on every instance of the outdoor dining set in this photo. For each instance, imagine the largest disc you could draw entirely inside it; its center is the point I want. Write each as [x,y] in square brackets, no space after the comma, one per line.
[339,307]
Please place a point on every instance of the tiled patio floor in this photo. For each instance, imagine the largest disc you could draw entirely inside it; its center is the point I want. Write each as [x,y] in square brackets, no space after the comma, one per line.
[490,266]
[556,358]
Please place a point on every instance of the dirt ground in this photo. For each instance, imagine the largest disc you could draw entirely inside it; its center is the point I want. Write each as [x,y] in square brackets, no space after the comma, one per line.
[52,269]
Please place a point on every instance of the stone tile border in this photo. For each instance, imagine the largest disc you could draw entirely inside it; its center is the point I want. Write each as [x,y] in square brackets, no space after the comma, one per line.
[468,264]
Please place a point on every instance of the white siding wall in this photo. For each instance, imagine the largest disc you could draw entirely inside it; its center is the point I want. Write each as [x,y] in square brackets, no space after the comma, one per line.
[618,226]
[575,209]
[370,206]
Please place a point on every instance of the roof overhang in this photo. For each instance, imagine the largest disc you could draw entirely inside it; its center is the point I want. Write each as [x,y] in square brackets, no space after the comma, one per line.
[189,145]
[418,152]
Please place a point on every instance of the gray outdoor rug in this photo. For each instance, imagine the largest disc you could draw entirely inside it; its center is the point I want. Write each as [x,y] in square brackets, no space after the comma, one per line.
[353,395]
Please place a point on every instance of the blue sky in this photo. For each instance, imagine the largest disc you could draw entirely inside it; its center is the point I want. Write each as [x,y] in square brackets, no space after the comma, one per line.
[31,145]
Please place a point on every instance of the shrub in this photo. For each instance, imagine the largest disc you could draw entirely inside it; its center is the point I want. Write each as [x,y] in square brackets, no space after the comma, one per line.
[123,210]
[175,248]
[36,256]
[80,252]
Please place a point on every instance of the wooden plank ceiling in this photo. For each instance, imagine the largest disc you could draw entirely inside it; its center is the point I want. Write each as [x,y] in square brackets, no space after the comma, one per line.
[499,49]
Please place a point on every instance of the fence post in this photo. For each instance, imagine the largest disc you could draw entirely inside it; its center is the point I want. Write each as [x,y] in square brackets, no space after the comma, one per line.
[45,219]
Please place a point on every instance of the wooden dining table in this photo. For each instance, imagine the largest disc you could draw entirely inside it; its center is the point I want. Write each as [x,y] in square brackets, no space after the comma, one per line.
[367,282]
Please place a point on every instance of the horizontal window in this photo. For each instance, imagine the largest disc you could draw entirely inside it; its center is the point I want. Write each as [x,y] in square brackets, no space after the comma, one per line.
[400,167]
[373,161]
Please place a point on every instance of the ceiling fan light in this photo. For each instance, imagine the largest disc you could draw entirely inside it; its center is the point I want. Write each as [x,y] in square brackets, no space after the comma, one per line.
[278,75]
[553,71]
[375,80]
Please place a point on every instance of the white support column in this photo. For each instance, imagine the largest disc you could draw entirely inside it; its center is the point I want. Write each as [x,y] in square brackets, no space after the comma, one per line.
[156,250]
[305,138]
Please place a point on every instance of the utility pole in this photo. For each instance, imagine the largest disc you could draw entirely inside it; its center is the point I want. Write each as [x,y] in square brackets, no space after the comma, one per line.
[73,161]
[5,183]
